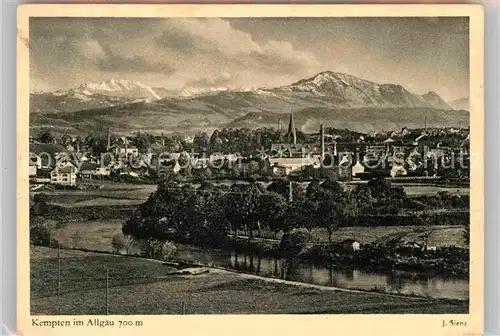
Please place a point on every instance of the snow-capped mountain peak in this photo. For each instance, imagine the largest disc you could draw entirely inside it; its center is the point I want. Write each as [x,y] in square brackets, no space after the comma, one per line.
[351,91]
[118,88]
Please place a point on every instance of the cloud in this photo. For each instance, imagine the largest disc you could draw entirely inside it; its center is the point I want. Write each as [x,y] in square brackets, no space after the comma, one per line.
[222,80]
[178,53]
[175,53]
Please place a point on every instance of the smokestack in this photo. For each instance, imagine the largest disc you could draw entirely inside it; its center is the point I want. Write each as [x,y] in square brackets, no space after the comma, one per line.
[279,125]
[290,191]
[322,134]
[162,139]
[109,139]
[425,123]
[126,148]
[78,146]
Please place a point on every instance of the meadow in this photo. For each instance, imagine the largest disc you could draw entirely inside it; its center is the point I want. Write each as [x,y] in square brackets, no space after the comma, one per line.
[97,235]
[139,286]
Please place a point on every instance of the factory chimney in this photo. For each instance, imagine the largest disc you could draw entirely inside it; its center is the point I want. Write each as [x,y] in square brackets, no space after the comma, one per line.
[109,139]
[126,148]
[322,135]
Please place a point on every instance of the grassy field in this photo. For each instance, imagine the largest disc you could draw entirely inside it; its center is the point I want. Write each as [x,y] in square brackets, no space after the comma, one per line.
[110,194]
[138,286]
[97,235]
[440,235]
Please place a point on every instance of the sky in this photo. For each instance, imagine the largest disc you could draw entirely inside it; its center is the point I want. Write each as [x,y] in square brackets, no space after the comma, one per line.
[422,54]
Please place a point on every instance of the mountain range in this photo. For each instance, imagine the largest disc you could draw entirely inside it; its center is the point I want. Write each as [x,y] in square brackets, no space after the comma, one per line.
[339,99]
[460,104]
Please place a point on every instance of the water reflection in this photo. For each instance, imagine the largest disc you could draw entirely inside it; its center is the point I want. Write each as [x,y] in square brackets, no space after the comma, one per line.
[295,270]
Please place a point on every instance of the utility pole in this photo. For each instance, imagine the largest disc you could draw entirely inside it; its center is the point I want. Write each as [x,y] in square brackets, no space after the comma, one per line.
[58,270]
[107,291]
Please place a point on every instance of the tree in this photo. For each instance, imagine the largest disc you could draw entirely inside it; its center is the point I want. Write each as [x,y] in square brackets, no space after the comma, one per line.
[206,174]
[201,141]
[119,243]
[466,234]
[41,233]
[294,243]
[333,186]
[327,209]
[282,187]
[46,137]
[157,249]
[241,207]
[272,209]
[76,238]
[141,141]
[66,139]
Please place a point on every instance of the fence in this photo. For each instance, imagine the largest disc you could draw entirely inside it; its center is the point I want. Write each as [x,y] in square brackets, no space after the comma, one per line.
[63,290]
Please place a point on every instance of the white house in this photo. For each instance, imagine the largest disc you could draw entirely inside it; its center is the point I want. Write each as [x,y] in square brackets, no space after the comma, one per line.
[358,168]
[280,170]
[32,168]
[35,159]
[398,170]
[351,244]
[285,166]
[65,176]
[90,170]
[118,149]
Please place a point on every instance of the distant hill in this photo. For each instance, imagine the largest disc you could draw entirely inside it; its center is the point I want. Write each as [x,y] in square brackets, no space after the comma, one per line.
[92,95]
[349,91]
[337,99]
[460,104]
[362,120]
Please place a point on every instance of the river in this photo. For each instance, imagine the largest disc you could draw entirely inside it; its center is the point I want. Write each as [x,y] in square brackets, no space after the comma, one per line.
[393,282]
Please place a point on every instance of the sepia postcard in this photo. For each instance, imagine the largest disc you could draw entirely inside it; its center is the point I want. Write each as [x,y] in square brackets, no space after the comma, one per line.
[250,169]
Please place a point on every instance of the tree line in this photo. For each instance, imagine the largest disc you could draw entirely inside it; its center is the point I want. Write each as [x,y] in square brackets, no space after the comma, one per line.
[210,212]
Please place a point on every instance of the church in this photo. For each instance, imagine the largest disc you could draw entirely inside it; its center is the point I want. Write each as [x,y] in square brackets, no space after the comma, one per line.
[288,146]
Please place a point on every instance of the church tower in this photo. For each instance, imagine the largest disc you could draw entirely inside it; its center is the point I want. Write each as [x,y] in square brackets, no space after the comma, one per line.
[291,135]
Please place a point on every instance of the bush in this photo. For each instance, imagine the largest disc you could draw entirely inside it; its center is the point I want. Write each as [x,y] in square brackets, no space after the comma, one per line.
[76,238]
[157,249]
[41,235]
[120,242]
[295,242]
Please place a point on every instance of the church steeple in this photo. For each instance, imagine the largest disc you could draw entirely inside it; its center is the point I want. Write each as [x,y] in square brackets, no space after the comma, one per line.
[291,135]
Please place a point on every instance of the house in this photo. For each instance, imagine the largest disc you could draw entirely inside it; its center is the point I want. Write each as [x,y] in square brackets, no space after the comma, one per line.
[42,176]
[48,154]
[129,172]
[280,170]
[65,176]
[32,168]
[118,149]
[412,244]
[290,165]
[89,170]
[351,244]
[398,170]
[35,159]
[357,168]
[420,137]
[389,140]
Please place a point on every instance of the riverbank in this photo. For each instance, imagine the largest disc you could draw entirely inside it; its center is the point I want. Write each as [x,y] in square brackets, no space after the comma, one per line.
[446,261]
[139,286]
